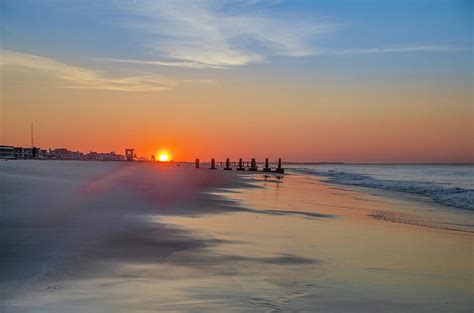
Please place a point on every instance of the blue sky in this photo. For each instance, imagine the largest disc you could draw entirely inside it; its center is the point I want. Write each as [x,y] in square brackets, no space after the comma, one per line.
[206,38]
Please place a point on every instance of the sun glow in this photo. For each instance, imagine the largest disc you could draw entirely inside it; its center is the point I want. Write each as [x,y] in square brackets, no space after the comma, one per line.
[164,157]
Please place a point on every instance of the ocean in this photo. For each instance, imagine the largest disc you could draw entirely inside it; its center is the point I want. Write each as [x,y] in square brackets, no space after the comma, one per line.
[451,186]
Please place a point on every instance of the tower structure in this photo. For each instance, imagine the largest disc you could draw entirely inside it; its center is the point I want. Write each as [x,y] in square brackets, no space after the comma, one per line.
[32,136]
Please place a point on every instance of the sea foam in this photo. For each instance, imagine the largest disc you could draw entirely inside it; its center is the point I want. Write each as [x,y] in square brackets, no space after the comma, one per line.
[450,196]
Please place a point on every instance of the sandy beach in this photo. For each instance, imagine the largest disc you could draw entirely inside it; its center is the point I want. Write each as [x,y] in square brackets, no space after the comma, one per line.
[139,237]
[241,156]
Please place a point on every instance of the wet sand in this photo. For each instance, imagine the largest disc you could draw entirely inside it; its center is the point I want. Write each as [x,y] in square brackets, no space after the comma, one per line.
[121,237]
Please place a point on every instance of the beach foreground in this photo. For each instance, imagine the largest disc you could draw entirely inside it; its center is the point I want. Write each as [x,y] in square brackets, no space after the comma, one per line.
[142,237]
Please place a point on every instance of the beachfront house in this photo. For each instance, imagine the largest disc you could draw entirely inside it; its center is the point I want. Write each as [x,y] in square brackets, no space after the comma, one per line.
[7,152]
[65,154]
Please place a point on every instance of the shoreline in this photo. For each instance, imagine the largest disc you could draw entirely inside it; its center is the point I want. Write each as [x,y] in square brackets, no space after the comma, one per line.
[416,199]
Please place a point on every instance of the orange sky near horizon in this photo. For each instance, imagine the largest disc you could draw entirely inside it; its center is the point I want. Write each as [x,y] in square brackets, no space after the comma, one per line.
[295,121]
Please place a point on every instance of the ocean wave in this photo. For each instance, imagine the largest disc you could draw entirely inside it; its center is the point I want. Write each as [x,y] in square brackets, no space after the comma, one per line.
[449,196]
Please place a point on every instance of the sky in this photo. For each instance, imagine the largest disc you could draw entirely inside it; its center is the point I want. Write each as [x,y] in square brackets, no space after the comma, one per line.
[350,81]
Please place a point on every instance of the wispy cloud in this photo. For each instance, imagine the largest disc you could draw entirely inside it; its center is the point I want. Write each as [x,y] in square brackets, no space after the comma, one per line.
[183,64]
[224,34]
[218,34]
[83,78]
[394,49]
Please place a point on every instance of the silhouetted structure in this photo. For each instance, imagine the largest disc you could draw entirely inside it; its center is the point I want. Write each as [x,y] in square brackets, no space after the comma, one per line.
[7,152]
[11,152]
[267,167]
[213,164]
[253,166]
[99,156]
[65,154]
[197,163]
[227,165]
[241,167]
[279,168]
[32,136]
[152,157]
[130,154]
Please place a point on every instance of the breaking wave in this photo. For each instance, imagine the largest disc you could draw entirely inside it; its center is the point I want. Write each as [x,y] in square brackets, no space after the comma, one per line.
[450,196]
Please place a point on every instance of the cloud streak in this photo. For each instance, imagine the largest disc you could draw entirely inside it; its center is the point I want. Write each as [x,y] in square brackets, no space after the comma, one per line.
[332,52]
[198,34]
[74,77]
[394,49]
[223,34]
[182,64]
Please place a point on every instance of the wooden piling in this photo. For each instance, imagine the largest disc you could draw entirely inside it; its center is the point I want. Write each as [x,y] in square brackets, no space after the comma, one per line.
[197,163]
[253,166]
[213,164]
[241,165]
[227,165]
[267,166]
[279,168]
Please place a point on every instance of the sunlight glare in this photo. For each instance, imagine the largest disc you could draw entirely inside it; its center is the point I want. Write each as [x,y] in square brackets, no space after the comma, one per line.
[164,157]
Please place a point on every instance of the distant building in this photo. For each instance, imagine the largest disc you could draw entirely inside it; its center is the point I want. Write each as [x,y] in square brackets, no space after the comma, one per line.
[7,152]
[43,154]
[130,154]
[18,151]
[26,153]
[65,154]
[11,152]
[111,156]
[30,153]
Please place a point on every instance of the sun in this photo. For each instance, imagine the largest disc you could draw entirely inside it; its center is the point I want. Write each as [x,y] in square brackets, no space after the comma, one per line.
[164,157]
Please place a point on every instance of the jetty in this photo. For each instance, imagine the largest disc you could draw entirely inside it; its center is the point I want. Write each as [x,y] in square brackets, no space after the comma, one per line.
[242,165]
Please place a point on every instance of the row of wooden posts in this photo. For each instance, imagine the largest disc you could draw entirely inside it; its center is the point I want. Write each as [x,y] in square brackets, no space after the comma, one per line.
[252,166]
